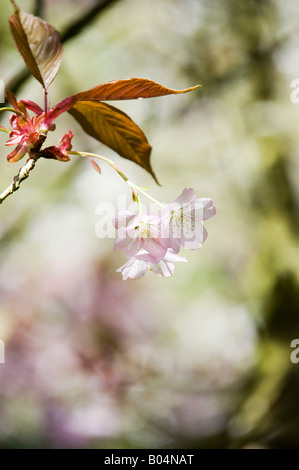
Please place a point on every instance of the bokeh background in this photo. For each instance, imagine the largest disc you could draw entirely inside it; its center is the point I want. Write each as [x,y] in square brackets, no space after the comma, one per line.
[198,360]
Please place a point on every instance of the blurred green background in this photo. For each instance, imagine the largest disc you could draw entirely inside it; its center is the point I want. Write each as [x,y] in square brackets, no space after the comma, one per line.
[198,360]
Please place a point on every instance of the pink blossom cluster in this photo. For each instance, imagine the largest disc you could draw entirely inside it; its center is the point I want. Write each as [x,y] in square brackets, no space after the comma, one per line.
[27,132]
[153,242]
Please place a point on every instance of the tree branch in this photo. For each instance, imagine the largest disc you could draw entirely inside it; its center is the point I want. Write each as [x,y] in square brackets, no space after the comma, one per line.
[78,25]
[39,8]
[21,176]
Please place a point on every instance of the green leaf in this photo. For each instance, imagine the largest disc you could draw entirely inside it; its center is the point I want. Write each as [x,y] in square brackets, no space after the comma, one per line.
[115,129]
[128,89]
[38,43]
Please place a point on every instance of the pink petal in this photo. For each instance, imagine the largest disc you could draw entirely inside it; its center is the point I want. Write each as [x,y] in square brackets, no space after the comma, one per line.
[194,242]
[15,139]
[145,256]
[153,247]
[33,107]
[60,108]
[174,258]
[133,247]
[122,219]
[174,244]
[134,269]
[17,153]
[121,243]
[207,207]
[164,268]
[65,142]
[187,195]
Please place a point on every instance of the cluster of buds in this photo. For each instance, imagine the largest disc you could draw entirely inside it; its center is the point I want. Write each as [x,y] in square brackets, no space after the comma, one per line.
[153,242]
[29,133]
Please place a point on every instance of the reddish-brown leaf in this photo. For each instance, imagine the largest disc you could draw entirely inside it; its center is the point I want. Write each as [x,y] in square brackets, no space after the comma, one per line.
[128,89]
[38,43]
[115,129]
[9,95]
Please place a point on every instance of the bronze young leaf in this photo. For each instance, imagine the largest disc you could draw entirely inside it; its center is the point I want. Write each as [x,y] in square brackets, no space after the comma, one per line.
[115,129]
[40,46]
[128,89]
[124,89]
[38,43]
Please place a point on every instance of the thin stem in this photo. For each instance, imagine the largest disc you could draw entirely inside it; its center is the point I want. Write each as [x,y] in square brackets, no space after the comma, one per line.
[21,176]
[45,100]
[11,110]
[104,159]
[139,205]
[115,167]
[146,195]
[5,129]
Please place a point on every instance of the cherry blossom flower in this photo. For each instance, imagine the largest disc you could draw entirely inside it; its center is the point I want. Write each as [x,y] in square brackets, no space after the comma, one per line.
[139,232]
[182,220]
[137,266]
